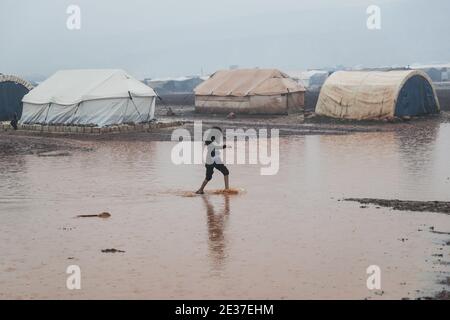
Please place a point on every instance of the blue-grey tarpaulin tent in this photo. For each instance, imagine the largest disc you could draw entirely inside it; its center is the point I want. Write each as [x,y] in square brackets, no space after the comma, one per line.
[12,90]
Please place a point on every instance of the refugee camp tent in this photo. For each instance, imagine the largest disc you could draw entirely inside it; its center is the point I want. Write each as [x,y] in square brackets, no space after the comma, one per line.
[12,90]
[252,91]
[437,72]
[310,78]
[377,94]
[174,85]
[89,97]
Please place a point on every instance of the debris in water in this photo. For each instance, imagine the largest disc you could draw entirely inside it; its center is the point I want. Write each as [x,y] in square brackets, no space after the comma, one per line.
[446,281]
[55,154]
[103,215]
[112,251]
[67,228]
[439,232]
[170,112]
[442,295]
[405,205]
[231,115]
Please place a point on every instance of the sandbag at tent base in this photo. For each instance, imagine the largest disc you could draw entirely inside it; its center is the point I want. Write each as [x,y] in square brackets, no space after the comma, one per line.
[71,129]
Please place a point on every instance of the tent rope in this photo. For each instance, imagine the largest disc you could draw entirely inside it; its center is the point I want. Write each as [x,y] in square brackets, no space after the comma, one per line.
[161,99]
[48,109]
[131,98]
[149,111]
[75,112]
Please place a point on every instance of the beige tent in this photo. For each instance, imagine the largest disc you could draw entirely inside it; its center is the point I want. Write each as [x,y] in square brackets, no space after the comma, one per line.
[377,94]
[255,91]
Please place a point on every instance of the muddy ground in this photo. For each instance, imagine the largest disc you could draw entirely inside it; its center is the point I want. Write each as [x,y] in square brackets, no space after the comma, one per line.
[18,143]
[404,205]
[28,142]
[300,123]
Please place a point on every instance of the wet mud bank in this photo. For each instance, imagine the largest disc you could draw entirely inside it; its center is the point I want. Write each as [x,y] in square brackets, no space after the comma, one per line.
[15,144]
[302,123]
[440,255]
[185,117]
[406,205]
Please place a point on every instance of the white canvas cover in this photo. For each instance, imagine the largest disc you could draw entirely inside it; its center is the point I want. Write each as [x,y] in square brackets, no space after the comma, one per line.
[248,82]
[363,94]
[89,97]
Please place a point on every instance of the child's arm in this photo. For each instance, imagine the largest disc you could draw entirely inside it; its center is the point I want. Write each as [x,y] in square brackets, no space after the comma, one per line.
[224,146]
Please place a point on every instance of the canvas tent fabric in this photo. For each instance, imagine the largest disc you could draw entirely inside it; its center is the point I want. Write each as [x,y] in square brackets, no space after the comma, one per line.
[255,91]
[245,82]
[12,90]
[377,94]
[89,97]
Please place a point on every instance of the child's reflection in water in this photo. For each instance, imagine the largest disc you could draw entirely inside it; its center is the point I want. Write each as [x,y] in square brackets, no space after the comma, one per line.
[217,222]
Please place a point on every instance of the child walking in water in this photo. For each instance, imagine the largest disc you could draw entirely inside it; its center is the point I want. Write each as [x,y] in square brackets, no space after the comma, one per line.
[213,160]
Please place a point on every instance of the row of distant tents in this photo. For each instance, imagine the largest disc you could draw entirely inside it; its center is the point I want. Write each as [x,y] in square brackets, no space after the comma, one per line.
[108,97]
[310,79]
[345,94]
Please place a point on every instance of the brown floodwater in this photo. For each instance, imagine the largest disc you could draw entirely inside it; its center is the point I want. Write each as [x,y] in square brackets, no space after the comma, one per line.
[284,236]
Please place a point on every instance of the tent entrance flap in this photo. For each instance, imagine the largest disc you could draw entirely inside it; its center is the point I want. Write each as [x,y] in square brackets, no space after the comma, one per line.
[416,98]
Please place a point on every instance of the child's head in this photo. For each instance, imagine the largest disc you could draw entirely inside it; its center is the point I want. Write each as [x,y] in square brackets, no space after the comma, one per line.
[214,132]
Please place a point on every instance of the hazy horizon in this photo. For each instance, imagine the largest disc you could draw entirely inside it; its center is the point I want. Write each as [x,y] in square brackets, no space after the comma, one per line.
[165,38]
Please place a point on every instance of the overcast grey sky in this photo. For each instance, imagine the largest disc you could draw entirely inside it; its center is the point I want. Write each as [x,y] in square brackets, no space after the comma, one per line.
[158,38]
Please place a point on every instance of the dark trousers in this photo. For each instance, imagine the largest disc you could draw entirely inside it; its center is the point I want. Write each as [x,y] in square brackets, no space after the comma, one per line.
[210,170]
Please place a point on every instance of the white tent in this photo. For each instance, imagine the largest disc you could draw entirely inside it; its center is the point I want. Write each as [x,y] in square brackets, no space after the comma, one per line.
[89,97]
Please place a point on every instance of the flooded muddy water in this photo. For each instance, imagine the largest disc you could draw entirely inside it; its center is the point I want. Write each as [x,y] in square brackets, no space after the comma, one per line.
[286,236]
